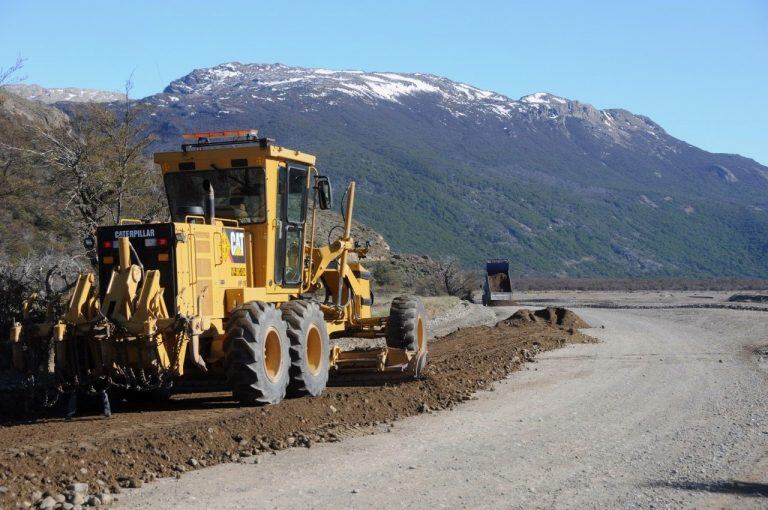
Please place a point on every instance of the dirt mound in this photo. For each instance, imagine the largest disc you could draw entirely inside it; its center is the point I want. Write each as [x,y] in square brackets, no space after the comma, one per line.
[555,316]
[144,441]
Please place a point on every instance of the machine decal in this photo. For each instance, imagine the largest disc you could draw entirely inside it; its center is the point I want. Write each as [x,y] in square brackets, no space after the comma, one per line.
[145,232]
[233,242]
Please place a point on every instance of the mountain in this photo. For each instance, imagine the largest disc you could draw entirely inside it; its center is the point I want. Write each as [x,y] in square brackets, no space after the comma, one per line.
[32,111]
[67,94]
[444,168]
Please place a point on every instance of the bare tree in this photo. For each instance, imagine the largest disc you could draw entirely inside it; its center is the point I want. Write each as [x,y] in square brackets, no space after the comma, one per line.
[7,73]
[97,162]
[451,279]
[45,277]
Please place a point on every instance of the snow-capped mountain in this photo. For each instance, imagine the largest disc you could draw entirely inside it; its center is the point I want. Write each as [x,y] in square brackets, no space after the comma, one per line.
[66,94]
[232,87]
[445,168]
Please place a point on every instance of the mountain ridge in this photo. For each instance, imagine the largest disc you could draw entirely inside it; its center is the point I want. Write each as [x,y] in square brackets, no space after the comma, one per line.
[445,168]
[52,95]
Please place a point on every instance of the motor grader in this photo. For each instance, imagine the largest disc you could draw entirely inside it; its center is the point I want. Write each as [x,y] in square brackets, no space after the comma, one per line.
[236,286]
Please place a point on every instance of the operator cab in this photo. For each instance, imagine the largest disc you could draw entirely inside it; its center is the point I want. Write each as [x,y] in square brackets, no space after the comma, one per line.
[248,182]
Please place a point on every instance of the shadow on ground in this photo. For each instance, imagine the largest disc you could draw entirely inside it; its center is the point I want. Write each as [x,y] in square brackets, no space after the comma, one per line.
[736,487]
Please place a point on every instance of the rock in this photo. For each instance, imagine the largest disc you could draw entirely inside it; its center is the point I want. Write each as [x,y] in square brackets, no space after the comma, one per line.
[78,498]
[78,487]
[423,408]
[135,483]
[47,504]
[59,498]
[37,496]
[93,501]
[333,409]
[192,462]
[67,506]
[3,490]
[106,498]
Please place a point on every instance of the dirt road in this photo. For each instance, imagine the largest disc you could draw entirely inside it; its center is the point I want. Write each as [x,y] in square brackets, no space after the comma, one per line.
[670,410]
[44,460]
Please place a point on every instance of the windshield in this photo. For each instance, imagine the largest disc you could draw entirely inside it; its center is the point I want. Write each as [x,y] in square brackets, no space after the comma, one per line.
[239,193]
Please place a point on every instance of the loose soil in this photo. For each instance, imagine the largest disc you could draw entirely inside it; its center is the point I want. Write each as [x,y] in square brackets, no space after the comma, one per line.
[555,316]
[499,282]
[144,441]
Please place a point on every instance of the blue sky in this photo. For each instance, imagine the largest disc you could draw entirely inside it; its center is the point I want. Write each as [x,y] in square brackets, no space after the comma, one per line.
[699,68]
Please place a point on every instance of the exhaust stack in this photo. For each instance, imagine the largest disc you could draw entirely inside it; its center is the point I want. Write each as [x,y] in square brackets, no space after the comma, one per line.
[210,205]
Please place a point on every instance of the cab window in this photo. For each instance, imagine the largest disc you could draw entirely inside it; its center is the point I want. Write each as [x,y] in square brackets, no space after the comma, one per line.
[297,191]
[239,193]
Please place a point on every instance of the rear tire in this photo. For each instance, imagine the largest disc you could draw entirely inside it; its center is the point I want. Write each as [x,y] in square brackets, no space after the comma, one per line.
[310,348]
[256,357]
[406,328]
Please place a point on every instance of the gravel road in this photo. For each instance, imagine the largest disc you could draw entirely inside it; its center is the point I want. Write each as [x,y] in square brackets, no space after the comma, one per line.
[670,410]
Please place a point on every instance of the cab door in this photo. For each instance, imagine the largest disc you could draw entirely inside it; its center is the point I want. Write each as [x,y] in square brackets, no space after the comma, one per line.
[292,196]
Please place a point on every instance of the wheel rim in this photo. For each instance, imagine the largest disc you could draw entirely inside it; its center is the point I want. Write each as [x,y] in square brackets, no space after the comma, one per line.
[273,354]
[314,350]
[420,333]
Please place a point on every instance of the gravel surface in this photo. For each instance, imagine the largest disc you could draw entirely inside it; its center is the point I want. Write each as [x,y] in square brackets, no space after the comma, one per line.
[670,410]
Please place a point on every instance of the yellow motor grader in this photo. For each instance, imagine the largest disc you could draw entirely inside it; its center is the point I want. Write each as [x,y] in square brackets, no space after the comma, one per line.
[235,286]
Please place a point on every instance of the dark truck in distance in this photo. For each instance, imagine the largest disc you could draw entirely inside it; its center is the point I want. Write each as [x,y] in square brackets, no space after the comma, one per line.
[497,287]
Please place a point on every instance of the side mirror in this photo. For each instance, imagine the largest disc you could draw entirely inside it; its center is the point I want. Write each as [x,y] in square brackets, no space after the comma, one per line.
[324,192]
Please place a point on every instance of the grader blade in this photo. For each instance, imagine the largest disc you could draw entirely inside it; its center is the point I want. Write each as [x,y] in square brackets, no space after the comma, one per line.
[376,366]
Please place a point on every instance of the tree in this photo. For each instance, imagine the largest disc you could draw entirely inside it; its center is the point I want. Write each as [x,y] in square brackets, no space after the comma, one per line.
[97,164]
[451,279]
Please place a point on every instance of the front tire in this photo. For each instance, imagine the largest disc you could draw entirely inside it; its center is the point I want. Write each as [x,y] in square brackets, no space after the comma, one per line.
[406,328]
[310,348]
[256,357]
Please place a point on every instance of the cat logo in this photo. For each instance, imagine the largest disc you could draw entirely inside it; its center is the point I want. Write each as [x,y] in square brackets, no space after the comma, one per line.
[235,241]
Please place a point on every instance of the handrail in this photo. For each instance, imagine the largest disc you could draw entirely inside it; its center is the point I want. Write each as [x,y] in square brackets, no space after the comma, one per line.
[192,261]
[217,246]
[226,220]
[306,282]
